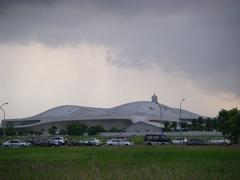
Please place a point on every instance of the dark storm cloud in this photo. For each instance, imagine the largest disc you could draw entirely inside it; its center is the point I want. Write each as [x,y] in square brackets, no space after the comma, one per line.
[201,39]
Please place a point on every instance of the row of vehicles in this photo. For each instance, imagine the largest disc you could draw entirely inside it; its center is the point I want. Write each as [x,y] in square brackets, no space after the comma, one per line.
[153,139]
[60,141]
[150,139]
[56,141]
[109,142]
[16,143]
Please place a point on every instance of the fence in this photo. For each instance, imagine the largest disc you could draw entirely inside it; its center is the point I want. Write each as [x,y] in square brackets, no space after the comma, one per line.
[183,133]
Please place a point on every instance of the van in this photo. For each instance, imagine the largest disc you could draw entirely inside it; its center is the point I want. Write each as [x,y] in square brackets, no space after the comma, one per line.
[154,139]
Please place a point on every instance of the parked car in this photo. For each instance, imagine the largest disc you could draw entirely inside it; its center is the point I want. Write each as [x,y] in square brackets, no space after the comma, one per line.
[41,141]
[179,141]
[154,139]
[93,142]
[54,142]
[15,143]
[220,141]
[119,142]
[197,141]
[60,140]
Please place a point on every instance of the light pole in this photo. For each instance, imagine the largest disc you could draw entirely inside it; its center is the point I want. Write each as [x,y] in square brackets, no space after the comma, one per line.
[3,125]
[180,116]
[160,107]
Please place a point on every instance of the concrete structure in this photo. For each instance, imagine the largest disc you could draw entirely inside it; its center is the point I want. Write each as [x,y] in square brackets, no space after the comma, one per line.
[145,127]
[121,116]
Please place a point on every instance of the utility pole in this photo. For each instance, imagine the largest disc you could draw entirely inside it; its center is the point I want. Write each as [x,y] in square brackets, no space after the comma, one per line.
[3,122]
[180,116]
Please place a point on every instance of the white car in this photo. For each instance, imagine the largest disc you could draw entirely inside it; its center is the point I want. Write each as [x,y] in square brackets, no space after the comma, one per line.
[16,143]
[60,140]
[179,141]
[220,141]
[56,141]
[119,142]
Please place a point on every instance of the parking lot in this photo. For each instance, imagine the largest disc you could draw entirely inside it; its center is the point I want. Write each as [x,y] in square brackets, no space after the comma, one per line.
[150,139]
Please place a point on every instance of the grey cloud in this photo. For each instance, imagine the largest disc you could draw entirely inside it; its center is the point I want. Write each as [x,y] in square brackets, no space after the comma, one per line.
[201,39]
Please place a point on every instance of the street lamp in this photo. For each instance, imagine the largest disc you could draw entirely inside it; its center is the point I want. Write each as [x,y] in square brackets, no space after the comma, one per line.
[160,107]
[3,125]
[180,118]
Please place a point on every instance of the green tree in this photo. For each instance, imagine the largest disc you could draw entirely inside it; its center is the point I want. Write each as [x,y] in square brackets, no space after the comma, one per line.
[42,131]
[196,126]
[114,129]
[229,123]
[39,133]
[99,128]
[236,126]
[63,132]
[52,130]
[214,123]
[10,131]
[94,130]
[200,120]
[184,126]
[77,129]
[210,124]
[173,125]
[167,126]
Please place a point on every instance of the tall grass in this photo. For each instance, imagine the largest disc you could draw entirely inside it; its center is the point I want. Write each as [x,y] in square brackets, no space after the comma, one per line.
[168,162]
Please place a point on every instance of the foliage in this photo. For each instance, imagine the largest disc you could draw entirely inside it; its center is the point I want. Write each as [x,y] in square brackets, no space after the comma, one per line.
[195,126]
[10,131]
[200,121]
[201,124]
[39,133]
[52,130]
[91,130]
[99,128]
[24,131]
[229,123]
[115,129]
[94,130]
[184,126]
[63,132]
[173,125]
[210,124]
[77,129]
[167,126]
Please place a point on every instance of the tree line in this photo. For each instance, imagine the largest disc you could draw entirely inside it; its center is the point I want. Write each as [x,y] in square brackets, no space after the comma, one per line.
[199,124]
[227,121]
[75,129]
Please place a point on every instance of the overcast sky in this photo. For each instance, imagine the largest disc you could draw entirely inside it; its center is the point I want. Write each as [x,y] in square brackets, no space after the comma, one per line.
[104,53]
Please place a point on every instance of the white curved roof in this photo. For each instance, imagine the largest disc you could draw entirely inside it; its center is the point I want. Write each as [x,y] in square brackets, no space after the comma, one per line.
[135,111]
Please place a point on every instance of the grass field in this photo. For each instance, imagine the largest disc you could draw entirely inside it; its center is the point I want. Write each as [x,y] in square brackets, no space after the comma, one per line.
[142,162]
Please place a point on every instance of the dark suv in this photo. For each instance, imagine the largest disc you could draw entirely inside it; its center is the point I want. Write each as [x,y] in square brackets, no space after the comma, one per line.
[153,139]
[197,141]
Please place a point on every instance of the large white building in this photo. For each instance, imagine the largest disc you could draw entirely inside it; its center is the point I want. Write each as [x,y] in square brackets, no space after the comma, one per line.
[120,117]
